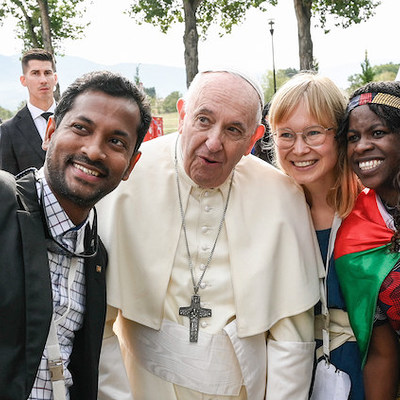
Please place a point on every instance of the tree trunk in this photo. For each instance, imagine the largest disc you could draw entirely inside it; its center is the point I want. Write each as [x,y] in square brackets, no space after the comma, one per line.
[45,25]
[28,23]
[191,39]
[46,35]
[303,15]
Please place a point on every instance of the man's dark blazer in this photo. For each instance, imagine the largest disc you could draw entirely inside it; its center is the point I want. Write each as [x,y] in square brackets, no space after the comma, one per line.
[20,143]
[26,298]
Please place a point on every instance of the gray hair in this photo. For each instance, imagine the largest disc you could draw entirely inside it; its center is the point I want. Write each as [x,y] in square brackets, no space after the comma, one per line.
[251,81]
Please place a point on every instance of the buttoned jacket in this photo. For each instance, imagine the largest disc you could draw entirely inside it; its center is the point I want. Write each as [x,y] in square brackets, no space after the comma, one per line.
[20,143]
[26,298]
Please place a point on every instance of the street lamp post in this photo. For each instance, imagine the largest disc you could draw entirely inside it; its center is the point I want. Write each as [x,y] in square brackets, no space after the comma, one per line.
[271,23]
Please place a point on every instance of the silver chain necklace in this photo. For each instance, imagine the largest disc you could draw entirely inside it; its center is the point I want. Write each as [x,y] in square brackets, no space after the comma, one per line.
[194,312]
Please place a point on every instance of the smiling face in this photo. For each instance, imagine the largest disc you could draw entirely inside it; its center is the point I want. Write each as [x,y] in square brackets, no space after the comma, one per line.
[309,166]
[218,127]
[373,151]
[91,150]
[40,79]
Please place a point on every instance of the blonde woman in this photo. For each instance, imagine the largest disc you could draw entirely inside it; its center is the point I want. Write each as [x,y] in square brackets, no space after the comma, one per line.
[304,117]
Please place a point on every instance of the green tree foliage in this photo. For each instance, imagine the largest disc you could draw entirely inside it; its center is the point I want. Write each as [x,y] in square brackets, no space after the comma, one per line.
[382,72]
[196,14]
[169,103]
[63,16]
[151,92]
[344,12]
[5,114]
[386,72]
[165,13]
[367,74]
[267,81]
[385,76]
[137,76]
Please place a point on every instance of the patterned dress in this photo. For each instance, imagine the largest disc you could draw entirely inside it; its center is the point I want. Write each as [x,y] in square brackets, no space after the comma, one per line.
[365,267]
[388,307]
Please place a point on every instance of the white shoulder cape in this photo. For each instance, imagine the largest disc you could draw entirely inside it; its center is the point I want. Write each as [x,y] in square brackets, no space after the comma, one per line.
[275,260]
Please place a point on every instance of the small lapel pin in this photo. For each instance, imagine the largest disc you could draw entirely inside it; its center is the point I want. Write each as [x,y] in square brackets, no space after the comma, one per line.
[98,268]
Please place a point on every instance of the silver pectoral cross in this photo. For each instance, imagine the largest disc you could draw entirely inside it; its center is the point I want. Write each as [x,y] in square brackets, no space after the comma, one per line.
[194,312]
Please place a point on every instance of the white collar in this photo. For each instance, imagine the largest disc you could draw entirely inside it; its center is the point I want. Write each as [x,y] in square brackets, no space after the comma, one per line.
[37,112]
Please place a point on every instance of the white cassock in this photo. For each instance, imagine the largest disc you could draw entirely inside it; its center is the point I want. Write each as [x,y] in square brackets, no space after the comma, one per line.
[261,284]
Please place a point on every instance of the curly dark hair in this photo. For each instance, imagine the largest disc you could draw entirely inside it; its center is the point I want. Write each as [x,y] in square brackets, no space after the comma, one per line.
[112,84]
[390,116]
[396,217]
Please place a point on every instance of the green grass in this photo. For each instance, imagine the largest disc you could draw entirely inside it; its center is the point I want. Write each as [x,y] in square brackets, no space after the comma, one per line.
[170,121]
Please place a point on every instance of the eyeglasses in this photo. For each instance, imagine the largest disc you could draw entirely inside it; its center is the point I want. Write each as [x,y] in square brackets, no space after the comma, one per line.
[313,136]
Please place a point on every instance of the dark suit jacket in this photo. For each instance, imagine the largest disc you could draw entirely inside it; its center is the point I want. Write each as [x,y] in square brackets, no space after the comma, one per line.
[26,298]
[20,143]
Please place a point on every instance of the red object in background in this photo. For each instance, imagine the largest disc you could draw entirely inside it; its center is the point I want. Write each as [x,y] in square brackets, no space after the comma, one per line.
[156,129]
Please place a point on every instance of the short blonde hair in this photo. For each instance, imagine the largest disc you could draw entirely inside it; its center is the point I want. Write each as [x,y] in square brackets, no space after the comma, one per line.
[326,103]
[323,99]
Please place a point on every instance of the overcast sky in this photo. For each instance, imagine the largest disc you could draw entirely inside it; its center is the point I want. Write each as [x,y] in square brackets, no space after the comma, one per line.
[113,38]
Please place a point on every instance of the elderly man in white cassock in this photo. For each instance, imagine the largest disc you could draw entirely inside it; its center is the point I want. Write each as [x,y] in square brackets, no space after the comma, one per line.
[213,266]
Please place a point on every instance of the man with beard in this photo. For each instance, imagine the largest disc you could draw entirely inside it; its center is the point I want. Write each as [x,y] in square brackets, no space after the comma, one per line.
[52,278]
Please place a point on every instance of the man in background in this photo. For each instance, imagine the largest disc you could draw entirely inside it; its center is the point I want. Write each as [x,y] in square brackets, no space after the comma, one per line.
[21,137]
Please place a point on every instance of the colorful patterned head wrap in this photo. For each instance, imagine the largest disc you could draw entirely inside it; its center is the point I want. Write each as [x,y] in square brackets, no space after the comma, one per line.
[374,98]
